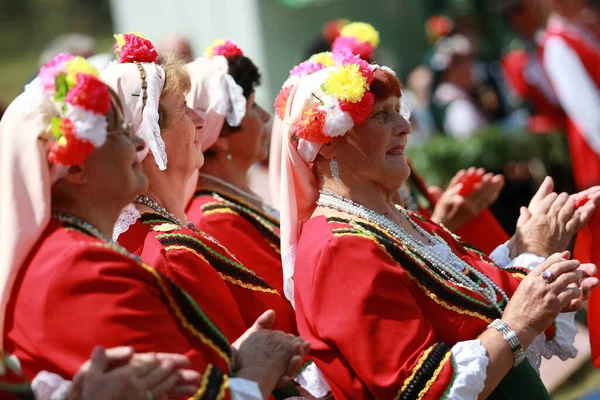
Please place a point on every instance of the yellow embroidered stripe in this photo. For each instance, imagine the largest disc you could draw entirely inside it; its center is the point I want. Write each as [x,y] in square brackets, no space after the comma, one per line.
[204,383]
[175,307]
[247,285]
[224,388]
[435,375]
[176,247]
[219,211]
[414,371]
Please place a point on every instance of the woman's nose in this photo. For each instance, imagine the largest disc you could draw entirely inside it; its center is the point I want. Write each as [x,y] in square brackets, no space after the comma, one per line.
[403,127]
[199,122]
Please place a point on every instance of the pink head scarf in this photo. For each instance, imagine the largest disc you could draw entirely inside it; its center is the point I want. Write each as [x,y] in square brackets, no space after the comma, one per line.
[25,181]
[299,188]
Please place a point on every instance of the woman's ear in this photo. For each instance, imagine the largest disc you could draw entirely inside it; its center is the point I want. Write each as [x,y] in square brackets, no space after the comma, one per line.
[327,151]
[76,175]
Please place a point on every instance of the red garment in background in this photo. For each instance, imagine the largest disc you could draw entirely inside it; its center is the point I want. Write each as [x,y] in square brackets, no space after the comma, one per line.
[483,232]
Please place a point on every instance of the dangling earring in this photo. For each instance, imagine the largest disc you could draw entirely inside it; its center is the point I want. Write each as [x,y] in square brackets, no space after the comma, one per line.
[335,171]
[228,156]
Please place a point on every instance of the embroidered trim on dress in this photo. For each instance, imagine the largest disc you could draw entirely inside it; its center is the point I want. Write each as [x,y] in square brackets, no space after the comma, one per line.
[214,385]
[427,370]
[265,224]
[432,282]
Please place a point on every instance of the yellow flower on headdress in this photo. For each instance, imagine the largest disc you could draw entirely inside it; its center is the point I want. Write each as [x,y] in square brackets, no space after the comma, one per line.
[209,52]
[362,31]
[325,58]
[78,65]
[346,83]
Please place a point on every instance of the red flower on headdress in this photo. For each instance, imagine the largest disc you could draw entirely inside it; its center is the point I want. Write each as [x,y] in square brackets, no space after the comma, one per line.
[90,93]
[310,126]
[69,150]
[281,102]
[361,110]
[135,48]
[225,48]
[349,44]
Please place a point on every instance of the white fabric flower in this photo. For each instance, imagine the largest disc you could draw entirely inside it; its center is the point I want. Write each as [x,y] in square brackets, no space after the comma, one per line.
[337,122]
[88,125]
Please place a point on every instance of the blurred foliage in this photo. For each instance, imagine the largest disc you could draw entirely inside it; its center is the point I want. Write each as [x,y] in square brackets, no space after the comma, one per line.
[28,26]
[438,159]
[305,3]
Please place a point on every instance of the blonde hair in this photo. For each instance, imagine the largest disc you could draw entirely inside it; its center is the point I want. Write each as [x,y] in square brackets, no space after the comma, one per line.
[177,82]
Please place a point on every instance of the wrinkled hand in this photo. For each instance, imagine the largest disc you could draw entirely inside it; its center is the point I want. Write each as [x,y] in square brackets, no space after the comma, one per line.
[537,302]
[549,223]
[454,210]
[270,358]
[118,373]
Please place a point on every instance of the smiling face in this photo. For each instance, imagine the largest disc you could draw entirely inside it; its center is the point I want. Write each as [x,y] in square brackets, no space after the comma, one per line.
[374,150]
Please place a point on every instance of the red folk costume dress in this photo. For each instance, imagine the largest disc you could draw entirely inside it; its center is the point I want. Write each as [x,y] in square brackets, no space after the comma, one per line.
[207,270]
[383,324]
[416,197]
[75,292]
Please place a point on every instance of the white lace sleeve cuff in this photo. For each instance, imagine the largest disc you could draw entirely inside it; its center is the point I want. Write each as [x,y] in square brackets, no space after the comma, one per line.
[501,256]
[244,389]
[562,345]
[312,379]
[49,386]
[470,362]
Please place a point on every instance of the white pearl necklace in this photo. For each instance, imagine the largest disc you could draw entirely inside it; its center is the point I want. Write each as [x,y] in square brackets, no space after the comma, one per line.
[147,201]
[439,255]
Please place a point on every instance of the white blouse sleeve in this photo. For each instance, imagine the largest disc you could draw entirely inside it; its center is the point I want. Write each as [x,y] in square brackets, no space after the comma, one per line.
[463,119]
[244,389]
[470,363]
[576,90]
[562,345]
[501,257]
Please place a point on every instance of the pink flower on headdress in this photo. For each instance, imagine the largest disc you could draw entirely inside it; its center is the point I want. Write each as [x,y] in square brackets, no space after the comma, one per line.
[90,94]
[346,58]
[353,46]
[306,68]
[225,48]
[52,69]
[131,48]
[361,110]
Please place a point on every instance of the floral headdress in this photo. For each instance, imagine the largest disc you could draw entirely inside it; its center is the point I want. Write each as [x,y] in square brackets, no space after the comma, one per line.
[315,63]
[333,28]
[347,101]
[227,97]
[358,38]
[225,48]
[83,102]
[134,48]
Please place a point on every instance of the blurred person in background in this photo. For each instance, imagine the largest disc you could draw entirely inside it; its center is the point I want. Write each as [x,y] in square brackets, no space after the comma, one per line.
[523,68]
[455,109]
[177,44]
[76,44]
[571,55]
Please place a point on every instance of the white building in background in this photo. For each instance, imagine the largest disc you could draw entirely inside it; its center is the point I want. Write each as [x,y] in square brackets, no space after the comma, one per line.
[274,36]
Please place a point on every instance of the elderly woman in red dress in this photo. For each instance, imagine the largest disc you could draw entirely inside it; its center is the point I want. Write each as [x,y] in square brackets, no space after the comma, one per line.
[223,88]
[69,166]
[156,228]
[393,304]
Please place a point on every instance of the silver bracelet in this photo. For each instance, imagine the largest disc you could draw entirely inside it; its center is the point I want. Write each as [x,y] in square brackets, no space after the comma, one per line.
[511,337]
